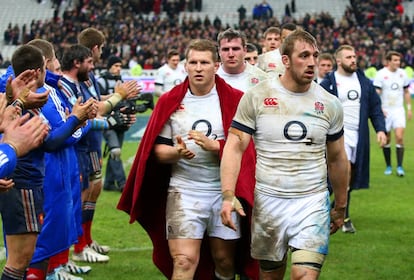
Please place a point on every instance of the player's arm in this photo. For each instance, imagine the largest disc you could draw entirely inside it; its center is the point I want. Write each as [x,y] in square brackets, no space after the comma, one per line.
[125,90]
[338,169]
[169,153]
[407,99]
[236,143]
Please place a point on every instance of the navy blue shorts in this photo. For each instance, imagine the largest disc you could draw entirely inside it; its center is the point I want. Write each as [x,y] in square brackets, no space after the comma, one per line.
[90,167]
[22,210]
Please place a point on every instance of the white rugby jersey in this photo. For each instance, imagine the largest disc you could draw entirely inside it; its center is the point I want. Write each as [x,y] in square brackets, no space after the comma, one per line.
[250,77]
[201,113]
[169,78]
[392,86]
[271,62]
[290,131]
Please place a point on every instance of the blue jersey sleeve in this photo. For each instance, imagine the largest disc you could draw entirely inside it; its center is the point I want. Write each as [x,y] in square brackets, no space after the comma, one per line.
[4,77]
[8,160]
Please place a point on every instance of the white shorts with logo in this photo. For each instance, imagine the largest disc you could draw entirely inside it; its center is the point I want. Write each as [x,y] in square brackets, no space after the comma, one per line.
[281,223]
[394,118]
[190,214]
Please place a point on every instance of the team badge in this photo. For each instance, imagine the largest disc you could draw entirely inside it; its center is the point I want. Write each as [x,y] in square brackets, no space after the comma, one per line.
[319,107]
[254,80]
[180,108]
[270,102]
[271,65]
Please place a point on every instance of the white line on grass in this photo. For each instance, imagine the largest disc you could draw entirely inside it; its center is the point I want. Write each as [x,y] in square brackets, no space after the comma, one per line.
[131,249]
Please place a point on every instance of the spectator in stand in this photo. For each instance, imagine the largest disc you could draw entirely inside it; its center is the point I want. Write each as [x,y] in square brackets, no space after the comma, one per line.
[242,13]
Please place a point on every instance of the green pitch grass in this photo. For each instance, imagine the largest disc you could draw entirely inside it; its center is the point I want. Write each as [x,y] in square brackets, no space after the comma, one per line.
[382,247]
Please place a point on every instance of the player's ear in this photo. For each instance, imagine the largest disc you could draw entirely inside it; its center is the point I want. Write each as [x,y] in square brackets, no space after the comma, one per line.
[285,60]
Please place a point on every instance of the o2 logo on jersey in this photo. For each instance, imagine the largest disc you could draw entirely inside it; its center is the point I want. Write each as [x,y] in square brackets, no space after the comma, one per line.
[203,124]
[270,102]
[296,131]
[319,107]
[394,86]
[353,95]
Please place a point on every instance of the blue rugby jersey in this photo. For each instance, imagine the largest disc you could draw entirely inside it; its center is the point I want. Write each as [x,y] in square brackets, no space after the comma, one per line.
[92,142]
[30,169]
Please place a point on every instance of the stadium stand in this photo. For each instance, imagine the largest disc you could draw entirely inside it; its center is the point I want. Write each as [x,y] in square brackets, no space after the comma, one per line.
[20,12]
[333,22]
[227,10]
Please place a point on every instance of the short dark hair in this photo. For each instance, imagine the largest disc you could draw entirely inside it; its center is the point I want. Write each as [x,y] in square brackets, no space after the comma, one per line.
[202,45]
[27,57]
[72,54]
[172,52]
[390,54]
[231,34]
[288,26]
[251,47]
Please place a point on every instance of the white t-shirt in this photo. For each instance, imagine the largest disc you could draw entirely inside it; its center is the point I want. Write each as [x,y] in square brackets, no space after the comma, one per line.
[201,113]
[290,131]
[349,93]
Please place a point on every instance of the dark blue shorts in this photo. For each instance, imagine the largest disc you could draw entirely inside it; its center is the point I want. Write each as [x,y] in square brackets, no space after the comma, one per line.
[22,210]
[90,167]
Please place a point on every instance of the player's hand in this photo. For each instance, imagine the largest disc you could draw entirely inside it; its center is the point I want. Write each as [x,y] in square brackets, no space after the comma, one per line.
[25,134]
[14,86]
[337,219]
[409,114]
[128,89]
[182,150]
[230,204]
[6,184]
[33,100]
[85,111]
[203,141]
[381,138]
[7,113]
[3,112]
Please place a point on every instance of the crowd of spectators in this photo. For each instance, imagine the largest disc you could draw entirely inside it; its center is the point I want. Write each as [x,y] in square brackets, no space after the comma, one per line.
[372,27]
